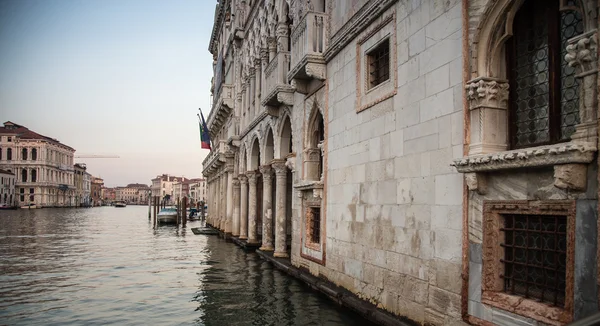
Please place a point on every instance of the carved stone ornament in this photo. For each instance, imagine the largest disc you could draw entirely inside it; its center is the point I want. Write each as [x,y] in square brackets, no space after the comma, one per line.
[476,182]
[280,167]
[527,157]
[290,163]
[487,92]
[318,193]
[570,176]
[243,179]
[582,52]
[267,172]
[236,182]
[251,177]
[312,154]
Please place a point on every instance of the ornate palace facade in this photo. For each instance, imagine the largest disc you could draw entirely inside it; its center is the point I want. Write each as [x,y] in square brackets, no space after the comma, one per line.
[436,158]
[42,165]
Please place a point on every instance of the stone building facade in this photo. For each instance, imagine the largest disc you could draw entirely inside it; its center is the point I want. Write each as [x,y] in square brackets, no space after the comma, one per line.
[436,158]
[43,166]
[7,188]
[96,185]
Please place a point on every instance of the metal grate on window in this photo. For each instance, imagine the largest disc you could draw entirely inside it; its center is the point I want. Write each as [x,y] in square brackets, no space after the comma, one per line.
[535,257]
[315,224]
[379,64]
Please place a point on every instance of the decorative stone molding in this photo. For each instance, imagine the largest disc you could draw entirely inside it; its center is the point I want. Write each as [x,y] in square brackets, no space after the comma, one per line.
[564,153]
[236,182]
[243,179]
[252,177]
[487,92]
[291,162]
[372,10]
[583,52]
[570,176]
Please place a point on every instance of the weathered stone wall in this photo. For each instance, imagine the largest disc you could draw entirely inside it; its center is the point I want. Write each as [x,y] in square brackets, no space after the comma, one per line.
[393,217]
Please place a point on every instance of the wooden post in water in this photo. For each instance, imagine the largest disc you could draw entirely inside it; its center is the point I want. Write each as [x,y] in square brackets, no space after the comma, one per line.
[155,206]
[178,212]
[184,220]
[149,208]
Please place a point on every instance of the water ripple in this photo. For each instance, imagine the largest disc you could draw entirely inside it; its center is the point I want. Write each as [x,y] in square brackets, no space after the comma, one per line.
[105,265]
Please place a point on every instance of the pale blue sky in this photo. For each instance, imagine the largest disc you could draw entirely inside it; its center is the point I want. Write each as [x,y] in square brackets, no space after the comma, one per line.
[122,77]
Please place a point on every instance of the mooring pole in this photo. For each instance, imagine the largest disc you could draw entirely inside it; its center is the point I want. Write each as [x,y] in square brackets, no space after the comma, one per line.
[149,210]
[184,220]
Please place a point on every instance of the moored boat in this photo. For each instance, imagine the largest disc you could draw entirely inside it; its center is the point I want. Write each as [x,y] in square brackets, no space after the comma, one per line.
[120,203]
[167,215]
[30,206]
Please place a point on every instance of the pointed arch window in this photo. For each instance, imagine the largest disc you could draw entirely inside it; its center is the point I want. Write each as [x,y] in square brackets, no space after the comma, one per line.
[544,91]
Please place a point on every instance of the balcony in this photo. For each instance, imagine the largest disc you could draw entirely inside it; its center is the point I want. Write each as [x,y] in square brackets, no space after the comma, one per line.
[309,43]
[222,106]
[215,159]
[278,91]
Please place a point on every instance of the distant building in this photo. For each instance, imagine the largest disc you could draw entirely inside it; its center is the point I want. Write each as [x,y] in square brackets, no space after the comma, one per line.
[87,189]
[80,197]
[7,188]
[108,194]
[43,166]
[96,191]
[162,186]
[197,190]
[133,193]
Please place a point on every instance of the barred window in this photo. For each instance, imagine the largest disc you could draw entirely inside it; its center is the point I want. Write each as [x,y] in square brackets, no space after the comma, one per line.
[378,61]
[544,92]
[313,215]
[535,257]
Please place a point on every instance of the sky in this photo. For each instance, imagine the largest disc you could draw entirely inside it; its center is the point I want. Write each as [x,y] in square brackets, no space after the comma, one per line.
[111,77]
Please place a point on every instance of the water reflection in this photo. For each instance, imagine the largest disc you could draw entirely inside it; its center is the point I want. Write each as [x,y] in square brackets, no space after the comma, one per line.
[109,266]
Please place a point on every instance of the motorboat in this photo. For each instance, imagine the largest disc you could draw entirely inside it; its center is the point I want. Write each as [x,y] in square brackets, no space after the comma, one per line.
[30,206]
[167,215]
[6,206]
[120,203]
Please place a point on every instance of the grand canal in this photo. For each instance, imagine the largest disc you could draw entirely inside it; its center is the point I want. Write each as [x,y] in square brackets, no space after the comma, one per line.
[108,265]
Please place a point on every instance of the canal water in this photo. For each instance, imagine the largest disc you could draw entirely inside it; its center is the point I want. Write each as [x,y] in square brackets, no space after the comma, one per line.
[106,265]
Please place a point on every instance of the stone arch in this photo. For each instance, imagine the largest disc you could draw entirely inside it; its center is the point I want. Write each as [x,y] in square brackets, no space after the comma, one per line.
[254,157]
[496,27]
[269,147]
[313,145]
[285,137]
[314,121]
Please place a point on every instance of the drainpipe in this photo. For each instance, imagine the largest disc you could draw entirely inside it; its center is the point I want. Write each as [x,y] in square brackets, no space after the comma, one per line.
[464,304]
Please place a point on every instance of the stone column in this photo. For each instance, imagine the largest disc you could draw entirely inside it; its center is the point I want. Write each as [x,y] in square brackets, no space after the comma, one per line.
[280,213]
[258,86]
[243,206]
[252,238]
[235,229]
[229,172]
[267,239]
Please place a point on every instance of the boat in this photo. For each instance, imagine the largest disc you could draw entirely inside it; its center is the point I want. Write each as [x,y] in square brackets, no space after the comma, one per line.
[6,206]
[193,214]
[205,231]
[120,203]
[167,215]
[30,206]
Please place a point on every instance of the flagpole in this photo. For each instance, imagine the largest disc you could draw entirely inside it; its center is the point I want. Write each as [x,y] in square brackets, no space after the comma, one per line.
[212,144]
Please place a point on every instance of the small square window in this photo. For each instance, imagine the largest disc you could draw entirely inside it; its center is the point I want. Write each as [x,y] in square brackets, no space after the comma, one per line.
[9,139]
[378,61]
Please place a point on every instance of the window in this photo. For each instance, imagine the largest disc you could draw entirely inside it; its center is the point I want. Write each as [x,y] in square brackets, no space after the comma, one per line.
[0,154]
[544,92]
[33,175]
[34,154]
[378,60]
[9,139]
[24,154]
[535,257]
[9,154]
[528,254]
[23,175]
[313,222]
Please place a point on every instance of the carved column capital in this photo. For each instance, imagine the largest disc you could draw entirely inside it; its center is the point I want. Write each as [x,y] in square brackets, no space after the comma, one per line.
[487,92]
[243,179]
[582,52]
[267,172]
[280,167]
[252,176]
[236,182]
[312,154]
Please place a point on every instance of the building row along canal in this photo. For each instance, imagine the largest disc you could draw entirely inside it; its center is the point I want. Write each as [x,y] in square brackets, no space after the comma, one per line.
[436,158]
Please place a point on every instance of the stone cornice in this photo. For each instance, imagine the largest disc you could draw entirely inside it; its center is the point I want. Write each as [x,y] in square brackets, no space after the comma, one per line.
[359,22]
[218,25]
[254,123]
[564,153]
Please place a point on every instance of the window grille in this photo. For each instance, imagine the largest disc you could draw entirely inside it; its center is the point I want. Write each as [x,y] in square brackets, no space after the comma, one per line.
[379,64]
[535,257]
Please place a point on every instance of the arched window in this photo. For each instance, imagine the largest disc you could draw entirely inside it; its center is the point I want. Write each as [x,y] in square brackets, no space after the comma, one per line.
[34,154]
[9,154]
[33,175]
[24,154]
[0,154]
[24,175]
[544,92]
